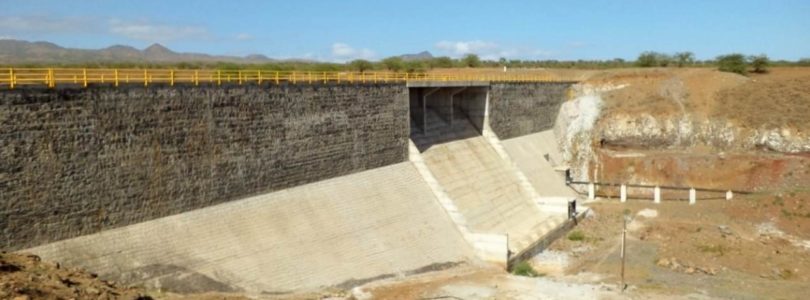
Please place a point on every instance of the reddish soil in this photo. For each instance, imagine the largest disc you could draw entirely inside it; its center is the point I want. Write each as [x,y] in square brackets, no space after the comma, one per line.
[25,276]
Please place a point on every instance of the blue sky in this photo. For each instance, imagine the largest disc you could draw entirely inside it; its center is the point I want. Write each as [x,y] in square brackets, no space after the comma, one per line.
[374,29]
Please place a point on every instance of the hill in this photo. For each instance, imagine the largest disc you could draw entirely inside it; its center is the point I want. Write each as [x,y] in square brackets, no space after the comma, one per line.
[15,52]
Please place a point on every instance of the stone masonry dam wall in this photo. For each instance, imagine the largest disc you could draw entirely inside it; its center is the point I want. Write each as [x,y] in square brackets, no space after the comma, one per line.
[518,109]
[79,161]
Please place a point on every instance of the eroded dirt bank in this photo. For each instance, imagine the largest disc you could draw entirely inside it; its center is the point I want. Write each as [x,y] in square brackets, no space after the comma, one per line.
[690,126]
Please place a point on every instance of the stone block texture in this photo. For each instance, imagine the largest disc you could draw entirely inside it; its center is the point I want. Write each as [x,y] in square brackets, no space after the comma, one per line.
[518,109]
[79,161]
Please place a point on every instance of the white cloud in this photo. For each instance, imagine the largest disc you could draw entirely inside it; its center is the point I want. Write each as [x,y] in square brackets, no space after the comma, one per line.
[7,37]
[344,52]
[467,47]
[244,37]
[44,24]
[152,32]
[487,50]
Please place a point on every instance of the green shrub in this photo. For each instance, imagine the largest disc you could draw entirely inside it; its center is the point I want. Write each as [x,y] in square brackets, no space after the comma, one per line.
[525,269]
[759,63]
[576,236]
[734,63]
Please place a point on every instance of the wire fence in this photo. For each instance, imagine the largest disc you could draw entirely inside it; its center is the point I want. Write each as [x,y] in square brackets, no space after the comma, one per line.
[51,77]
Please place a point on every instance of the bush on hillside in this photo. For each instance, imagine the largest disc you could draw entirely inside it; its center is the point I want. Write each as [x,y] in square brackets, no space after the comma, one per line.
[759,63]
[734,63]
[653,59]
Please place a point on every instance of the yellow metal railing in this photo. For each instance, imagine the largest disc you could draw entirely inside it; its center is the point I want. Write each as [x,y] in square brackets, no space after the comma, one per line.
[51,77]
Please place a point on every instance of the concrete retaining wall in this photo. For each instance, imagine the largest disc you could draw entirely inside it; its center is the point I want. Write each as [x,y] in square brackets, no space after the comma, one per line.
[79,161]
[518,109]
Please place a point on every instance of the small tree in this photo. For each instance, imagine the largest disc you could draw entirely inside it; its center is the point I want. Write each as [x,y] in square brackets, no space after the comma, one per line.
[471,60]
[393,63]
[734,63]
[759,63]
[684,58]
[361,65]
[647,59]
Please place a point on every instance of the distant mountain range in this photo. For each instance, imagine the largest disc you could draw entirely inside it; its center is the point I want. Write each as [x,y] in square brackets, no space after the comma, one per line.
[15,52]
[418,56]
[20,52]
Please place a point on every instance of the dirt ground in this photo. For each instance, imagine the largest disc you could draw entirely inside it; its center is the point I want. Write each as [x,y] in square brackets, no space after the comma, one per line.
[25,276]
[746,248]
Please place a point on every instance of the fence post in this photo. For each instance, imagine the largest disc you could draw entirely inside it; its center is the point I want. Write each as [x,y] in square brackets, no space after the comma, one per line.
[116,77]
[11,78]
[219,77]
[171,77]
[729,195]
[591,191]
[657,195]
[145,78]
[692,196]
[84,74]
[276,77]
[259,73]
[196,77]
[623,192]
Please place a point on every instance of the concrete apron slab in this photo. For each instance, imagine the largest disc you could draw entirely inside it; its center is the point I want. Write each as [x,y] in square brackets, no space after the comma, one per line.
[339,232]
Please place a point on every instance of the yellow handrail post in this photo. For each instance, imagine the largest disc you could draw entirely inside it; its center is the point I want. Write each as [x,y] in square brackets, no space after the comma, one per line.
[310,77]
[116,77]
[145,78]
[51,81]
[84,74]
[171,77]
[276,77]
[196,77]
[363,76]
[259,75]
[239,74]
[324,78]
[219,77]
[293,77]
[11,78]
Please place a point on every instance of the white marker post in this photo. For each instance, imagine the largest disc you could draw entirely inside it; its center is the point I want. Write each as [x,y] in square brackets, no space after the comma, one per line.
[729,195]
[692,196]
[591,191]
[657,195]
[624,193]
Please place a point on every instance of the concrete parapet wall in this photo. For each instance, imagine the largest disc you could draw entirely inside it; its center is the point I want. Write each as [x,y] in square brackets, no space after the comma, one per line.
[518,109]
[79,161]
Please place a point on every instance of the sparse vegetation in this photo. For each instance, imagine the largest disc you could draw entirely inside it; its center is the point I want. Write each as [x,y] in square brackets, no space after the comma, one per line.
[576,236]
[718,250]
[523,268]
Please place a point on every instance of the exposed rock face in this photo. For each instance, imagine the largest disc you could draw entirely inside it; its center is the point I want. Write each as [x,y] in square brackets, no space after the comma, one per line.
[649,132]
